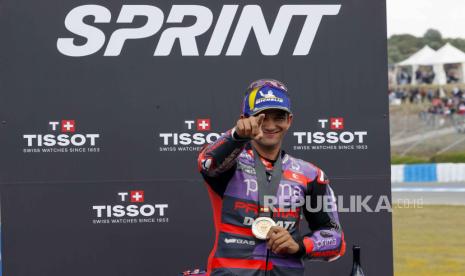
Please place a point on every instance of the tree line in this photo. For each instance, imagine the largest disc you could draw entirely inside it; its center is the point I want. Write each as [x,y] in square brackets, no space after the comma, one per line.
[402,46]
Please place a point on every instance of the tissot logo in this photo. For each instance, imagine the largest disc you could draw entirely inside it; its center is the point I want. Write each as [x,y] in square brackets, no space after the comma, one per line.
[130,207]
[195,134]
[269,39]
[62,137]
[331,134]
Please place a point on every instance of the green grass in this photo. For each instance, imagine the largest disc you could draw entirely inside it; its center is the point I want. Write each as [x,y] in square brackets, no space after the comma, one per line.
[429,240]
[395,159]
[454,157]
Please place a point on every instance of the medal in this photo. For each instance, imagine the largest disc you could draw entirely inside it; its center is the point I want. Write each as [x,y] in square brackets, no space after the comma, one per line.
[266,187]
[261,226]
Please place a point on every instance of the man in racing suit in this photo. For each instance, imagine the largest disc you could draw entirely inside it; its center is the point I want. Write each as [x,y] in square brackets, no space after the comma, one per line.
[228,167]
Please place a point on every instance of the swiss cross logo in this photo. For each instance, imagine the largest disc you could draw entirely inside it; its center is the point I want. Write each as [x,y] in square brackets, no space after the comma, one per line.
[203,124]
[337,123]
[68,126]
[137,196]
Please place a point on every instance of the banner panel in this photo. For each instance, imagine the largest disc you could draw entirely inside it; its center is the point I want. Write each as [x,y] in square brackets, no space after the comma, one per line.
[100,97]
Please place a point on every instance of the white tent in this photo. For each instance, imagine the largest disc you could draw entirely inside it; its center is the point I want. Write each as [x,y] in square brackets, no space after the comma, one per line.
[421,57]
[447,54]
[440,74]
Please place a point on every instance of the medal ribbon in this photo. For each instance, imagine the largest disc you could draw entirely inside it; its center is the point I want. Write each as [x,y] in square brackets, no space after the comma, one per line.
[265,187]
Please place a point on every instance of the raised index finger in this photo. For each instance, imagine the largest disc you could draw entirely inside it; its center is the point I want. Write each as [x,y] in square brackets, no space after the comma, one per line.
[260,119]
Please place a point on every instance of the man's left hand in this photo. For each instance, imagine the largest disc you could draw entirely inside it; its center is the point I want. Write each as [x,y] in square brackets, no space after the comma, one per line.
[279,241]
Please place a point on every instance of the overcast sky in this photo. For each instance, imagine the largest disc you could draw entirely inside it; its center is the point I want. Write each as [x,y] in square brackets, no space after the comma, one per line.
[416,16]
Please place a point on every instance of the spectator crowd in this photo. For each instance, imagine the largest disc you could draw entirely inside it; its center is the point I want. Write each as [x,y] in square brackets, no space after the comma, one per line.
[441,104]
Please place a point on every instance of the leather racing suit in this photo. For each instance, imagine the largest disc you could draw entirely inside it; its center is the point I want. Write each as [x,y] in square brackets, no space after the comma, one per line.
[228,167]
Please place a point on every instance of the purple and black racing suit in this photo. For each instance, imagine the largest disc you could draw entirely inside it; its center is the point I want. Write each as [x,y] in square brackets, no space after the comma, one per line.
[228,167]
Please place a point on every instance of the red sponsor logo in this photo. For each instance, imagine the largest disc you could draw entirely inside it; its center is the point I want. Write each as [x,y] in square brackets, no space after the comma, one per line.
[247,207]
[203,124]
[296,177]
[277,212]
[137,196]
[337,123]
[68,126]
